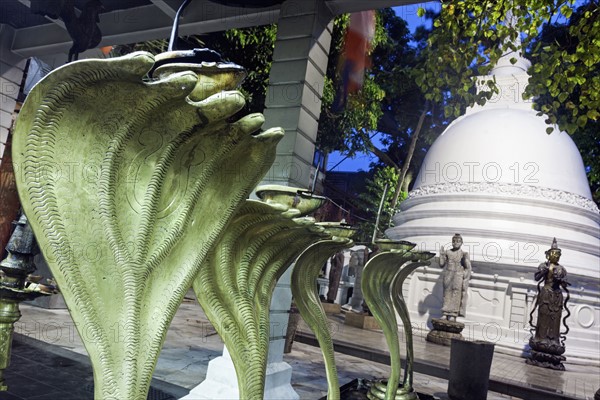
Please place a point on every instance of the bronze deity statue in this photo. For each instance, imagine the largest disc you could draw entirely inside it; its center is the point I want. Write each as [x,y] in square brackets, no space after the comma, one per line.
[548,342]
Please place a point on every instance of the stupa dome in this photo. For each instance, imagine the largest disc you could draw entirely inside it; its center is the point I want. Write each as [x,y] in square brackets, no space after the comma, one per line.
[507,145]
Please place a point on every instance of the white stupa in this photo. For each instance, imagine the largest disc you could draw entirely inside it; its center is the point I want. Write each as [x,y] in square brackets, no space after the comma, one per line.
[496,177]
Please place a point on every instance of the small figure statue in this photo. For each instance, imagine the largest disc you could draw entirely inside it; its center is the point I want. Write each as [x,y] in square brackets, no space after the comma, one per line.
[456,277]
[547,344]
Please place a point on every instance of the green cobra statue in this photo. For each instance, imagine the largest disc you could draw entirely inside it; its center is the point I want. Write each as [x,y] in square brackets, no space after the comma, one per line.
[236,282]
[382,280]
[304,284]
[122,179]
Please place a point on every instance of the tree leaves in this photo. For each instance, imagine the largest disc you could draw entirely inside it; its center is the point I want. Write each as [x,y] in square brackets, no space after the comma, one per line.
[559,54]
[471,35]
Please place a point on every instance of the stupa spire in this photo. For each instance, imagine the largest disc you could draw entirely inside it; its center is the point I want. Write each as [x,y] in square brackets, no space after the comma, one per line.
[504,66]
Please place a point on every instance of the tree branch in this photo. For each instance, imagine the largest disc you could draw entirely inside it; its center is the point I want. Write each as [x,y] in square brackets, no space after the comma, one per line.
[411,150]
[384,157]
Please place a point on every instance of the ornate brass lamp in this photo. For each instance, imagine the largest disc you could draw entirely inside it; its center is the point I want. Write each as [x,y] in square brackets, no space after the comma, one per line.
[14,287]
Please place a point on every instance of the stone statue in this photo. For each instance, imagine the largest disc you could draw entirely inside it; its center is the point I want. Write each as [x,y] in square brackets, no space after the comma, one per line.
[456,277]
[547,344]
[358,259]
[335,273]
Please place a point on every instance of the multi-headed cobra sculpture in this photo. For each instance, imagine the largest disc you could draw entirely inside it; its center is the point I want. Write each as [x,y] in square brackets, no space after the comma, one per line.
[304,285]
[123,181]
[236,282]
[382,280]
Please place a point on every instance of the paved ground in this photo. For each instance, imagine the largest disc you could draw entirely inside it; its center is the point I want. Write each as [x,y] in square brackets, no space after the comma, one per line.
[509,374]
[50,363]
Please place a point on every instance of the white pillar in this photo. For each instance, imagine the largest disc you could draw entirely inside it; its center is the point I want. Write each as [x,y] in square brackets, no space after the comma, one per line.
[293,102]
[296,87]
[221,381]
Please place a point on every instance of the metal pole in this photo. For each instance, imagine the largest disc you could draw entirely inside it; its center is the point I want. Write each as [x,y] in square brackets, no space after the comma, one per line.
[314,182]
[385,189]
[175,29]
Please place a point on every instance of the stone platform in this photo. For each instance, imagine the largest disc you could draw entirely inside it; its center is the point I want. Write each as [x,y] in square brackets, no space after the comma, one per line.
[192,342]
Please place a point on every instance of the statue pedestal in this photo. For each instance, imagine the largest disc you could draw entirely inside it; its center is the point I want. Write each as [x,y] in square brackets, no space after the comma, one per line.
[331,308]
[362,321]
[444,331]
[546,354]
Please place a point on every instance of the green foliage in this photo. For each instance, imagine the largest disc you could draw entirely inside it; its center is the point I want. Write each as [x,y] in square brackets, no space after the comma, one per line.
[251,48]
[563,36]
[371,199]
[588,142]
[471,35]
[349,129]
[410,122]
[390,102]
[565,79]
